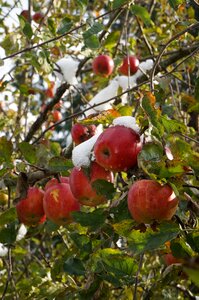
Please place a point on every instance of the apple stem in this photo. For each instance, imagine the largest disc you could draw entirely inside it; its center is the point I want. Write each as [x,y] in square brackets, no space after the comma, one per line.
[57,176]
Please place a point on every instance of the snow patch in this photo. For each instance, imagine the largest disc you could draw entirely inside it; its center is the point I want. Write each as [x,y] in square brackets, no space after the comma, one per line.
[3,250]
[68,67]
[107,93]
[81,155]
[127,121]
[21,232]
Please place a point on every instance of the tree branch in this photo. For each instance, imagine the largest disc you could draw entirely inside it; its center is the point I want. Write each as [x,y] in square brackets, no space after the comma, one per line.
[42,117]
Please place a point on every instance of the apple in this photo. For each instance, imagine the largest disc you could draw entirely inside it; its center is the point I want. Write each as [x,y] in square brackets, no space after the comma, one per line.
[81,184]
[30,210]
[54,181]
[50,90]
[58,104]
[169,259]
[59,202]
[103,65]
[150,201]
[37,17]
[56,115]
[129,65]
[81,133]
[3,198]
[25,14]
[117,148]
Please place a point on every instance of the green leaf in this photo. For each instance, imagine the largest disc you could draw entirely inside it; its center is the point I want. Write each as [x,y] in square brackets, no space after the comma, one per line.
[59,164]
[94,29]
[92,42]
[65,26]
[152,114]
[193,240]
[181,249]
[104,188]
[115,265]
[93,219]
[149,240]
[196,94]
[27,30]
[28,151]
[6,149]
[175,3]
[8,234]
[151,152]
[118,3]
[1,62]
[193,275]
[90,36]
[142,13]
[111,40]
[82,4]
[82,242]
[172,126]
[8,216]
[51,25]
[74,266]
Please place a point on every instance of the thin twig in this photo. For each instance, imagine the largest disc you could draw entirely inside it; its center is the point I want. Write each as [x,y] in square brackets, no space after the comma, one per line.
[137,275]
[157,62]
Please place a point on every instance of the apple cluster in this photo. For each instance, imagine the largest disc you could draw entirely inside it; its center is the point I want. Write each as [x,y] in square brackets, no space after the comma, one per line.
[115,150]
[103,65]
[37,17]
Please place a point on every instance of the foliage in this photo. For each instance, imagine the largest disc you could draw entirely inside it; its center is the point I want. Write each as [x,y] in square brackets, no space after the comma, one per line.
[103,253]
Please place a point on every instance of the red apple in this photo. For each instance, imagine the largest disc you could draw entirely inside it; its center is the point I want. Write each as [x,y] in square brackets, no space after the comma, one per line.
[103,65]
[54,181]
[59,202]
[50,90]
[81,133]
[30,210]
[130,62]
[37,17]
[117,148]
[25,14]
[149,201]
[81,184]
[56,115]
[58,104]
[170,259]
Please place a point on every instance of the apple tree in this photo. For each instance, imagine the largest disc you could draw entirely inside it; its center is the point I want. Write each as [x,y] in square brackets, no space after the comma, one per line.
[99,160]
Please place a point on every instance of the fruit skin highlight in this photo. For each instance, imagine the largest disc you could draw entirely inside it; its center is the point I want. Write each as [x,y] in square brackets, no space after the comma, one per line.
[59,202]
[81,184]
[30,210]
[103,65]
[117,148]
[129,65]
[149,201]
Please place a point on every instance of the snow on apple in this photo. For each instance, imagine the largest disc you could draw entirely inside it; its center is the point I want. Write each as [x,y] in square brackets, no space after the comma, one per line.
[81,155]
[68,68]
[107,93]
[3,250]
[127,121]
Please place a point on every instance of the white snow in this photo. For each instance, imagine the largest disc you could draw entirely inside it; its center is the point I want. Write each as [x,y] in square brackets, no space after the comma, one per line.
[3,250]
[146,65]
[127,121]
[126,82]
[81,155]
[68,67]
[21,232]
[107,93]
